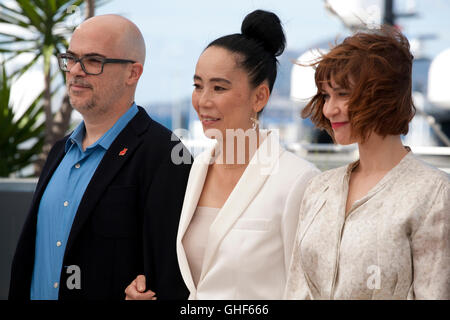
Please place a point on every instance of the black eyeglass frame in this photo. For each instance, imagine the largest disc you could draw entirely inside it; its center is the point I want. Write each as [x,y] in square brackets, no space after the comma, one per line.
[104,60]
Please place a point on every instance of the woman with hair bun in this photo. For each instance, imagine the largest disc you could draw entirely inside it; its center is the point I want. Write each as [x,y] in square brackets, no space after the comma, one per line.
[241,206]
[378,228]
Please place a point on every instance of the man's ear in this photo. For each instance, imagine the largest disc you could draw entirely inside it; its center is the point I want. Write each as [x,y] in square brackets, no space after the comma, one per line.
[135,73]
[261,96]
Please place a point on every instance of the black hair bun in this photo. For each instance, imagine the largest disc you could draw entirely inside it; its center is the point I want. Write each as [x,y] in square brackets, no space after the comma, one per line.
[265,27]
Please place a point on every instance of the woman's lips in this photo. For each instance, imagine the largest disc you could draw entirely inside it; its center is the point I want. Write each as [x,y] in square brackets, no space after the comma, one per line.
[336,125]
[209,120]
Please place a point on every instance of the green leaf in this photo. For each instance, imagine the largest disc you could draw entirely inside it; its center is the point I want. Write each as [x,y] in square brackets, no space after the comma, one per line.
[30,11]
[13,133]
[38,19]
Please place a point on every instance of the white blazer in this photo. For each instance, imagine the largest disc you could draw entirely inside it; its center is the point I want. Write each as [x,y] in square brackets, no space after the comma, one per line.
[249,244]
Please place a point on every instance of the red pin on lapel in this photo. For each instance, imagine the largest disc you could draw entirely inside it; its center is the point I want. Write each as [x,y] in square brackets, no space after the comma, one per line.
[122,153]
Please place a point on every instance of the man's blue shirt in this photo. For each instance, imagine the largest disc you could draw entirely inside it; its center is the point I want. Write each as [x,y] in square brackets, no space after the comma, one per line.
[60,202]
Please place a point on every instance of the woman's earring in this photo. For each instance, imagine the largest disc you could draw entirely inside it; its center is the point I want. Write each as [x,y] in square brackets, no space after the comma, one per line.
[255,123]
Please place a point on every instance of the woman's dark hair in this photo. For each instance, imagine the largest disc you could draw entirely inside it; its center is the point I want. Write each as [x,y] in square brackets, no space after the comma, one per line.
[261,41]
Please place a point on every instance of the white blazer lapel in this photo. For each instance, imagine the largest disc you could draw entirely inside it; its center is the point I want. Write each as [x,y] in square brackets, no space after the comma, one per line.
[194,189]
[262,164]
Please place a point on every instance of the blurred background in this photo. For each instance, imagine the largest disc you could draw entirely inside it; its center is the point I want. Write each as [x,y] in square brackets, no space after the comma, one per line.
[34,109]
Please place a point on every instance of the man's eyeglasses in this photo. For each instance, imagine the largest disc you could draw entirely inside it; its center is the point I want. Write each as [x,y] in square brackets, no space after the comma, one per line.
[92,65]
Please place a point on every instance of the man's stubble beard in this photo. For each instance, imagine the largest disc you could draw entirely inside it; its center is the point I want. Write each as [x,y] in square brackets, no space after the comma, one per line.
[89,107]
[100,102]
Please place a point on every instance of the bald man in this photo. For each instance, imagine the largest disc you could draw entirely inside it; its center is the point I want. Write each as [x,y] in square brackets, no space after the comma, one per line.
[107,204]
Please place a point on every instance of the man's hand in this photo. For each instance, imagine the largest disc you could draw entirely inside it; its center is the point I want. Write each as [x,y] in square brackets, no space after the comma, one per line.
[136,290]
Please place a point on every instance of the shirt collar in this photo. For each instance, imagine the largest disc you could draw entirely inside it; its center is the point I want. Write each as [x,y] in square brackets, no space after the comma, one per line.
[107,139]
[76,137]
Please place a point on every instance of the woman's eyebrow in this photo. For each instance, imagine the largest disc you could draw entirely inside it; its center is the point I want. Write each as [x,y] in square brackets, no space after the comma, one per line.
[218,79]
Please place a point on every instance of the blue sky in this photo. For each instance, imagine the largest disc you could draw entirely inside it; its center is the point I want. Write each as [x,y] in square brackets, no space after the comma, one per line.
[176,32]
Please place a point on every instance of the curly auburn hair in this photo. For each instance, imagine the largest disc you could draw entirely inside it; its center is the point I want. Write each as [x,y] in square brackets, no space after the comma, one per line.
[376,68]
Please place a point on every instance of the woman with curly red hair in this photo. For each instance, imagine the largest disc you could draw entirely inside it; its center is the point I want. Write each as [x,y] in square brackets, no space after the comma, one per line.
[379,227]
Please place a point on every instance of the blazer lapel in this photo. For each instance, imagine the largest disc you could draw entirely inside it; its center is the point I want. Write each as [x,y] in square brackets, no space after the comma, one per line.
[111,163]
[47,173]
[194,189]
[304,225]
[263,164]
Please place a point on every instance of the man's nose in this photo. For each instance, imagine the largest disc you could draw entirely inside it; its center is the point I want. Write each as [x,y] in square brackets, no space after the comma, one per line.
[77,70]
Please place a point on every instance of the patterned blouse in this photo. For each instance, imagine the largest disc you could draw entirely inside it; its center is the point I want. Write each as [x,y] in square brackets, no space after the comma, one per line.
[393,244]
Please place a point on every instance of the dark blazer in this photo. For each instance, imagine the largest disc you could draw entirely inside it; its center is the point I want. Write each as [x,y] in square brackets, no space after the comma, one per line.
[126,223]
